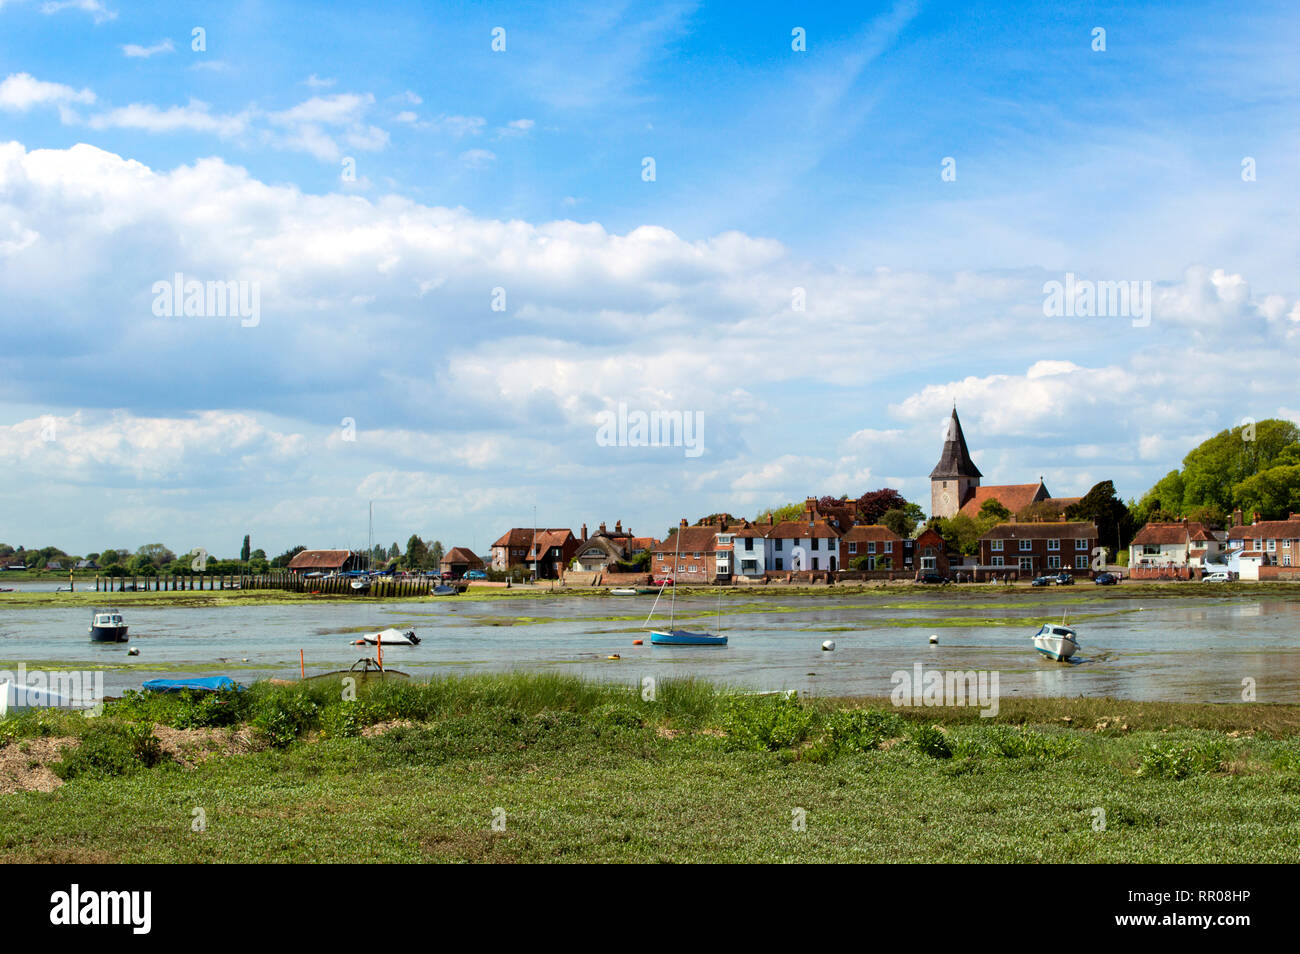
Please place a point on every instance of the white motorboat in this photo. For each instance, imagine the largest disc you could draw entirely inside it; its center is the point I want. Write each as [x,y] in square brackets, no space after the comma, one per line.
[390,637]
[1057,642]
[622,591]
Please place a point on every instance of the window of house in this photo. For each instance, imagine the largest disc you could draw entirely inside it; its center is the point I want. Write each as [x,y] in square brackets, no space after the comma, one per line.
[1081,562]
[1053,544]
[997,561]
[780,563]
[779,542]
[853,548]
[749,543]
[1027,563]
[871,546]
[1259,544]
[889,546]
[1272,545]
[816,563]
[995,546]
[1026,545]
[1080,543]
[1053,562]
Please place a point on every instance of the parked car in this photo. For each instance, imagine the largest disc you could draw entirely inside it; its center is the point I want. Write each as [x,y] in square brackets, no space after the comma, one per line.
[1105,579]
[1064,579]
[476,575]
[934,578]
[1219,577]
[1043,581]
[665,581]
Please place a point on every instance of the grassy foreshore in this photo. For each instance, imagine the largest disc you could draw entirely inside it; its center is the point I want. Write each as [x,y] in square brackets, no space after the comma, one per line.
[772,593]
[574,771]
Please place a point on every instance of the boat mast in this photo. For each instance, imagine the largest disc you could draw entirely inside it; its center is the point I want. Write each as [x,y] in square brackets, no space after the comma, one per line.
[672,610]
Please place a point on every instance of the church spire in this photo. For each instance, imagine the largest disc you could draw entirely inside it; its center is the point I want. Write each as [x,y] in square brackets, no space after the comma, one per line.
[955,460]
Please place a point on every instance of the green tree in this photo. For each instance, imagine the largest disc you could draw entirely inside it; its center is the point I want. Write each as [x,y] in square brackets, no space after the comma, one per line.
[283,559]
[244,550]
[155,553]
[1115,525]
[417,553]
[1218,473]
[436,554]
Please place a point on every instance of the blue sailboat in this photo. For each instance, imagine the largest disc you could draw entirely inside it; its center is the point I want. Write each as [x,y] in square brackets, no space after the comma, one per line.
[681,637]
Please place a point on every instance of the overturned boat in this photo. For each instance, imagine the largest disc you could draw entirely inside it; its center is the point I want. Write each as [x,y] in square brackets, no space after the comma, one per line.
[389,637]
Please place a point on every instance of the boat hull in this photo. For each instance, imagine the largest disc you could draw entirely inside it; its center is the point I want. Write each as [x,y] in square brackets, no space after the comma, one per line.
[681,637]
[1058,648]
[108,634]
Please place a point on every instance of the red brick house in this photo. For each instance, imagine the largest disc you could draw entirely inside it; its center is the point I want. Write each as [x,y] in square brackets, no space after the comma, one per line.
[1037,548]
[550,552]
[882,548]
[1268,542]
[696,555]
[929,553]
[512,548]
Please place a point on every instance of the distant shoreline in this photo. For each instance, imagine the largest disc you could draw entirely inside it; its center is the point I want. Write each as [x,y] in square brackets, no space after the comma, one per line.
[85,595]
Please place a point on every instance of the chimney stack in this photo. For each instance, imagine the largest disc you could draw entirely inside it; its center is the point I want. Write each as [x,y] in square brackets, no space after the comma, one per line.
[602,528]
[1254,517]
[618,526]
[1236,517]
[584,531]
[771,518]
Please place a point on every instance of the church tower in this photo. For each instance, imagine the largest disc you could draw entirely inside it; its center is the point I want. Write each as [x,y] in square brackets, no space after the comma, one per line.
[955,477]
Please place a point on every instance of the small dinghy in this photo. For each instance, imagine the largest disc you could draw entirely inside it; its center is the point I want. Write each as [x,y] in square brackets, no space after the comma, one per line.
[1056,642]
[360,586]
[363,670]
[389,637]
[682,637]
[106,626]
[622,591]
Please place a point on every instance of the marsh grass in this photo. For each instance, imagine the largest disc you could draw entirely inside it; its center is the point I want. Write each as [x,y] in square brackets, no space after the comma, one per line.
[594,772]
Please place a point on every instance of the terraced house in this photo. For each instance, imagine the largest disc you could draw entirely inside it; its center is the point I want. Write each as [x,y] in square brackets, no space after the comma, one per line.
[1034,548]
[879,547]
[1262,547]
[688,555]
[1175,543]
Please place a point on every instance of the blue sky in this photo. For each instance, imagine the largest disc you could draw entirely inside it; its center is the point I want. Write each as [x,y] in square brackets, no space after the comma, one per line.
[127,156]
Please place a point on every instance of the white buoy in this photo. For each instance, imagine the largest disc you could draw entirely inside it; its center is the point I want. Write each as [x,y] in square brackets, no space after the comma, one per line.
[133,651]
[934,638]
[828,646]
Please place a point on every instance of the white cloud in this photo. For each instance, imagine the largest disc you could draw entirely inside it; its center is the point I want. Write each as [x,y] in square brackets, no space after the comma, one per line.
[196,116]
[94,7]
[515,129]
[144,52]
[478,158]
[21,91]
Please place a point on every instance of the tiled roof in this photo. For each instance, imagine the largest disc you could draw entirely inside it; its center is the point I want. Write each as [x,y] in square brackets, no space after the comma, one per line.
[1015,497]
[1267,530]
[523,536]
[1163,534]
[801,529]
[462,555]
[694,540]
[547,539]
[1062,529]
[319,559]
[862,534]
